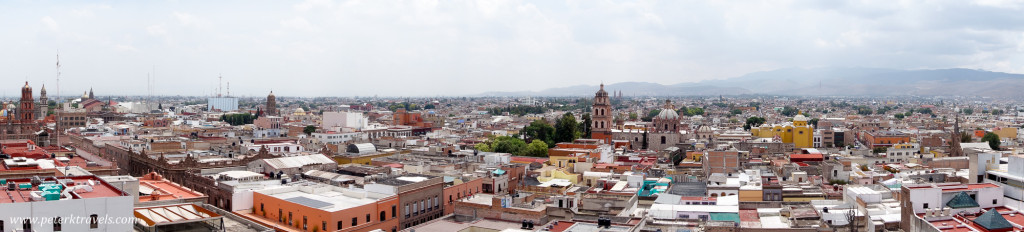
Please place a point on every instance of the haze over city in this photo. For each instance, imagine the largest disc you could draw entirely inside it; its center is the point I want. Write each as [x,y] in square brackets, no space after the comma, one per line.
[435,48]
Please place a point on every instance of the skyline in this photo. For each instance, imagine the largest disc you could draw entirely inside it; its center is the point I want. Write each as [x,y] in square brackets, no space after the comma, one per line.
[423,48]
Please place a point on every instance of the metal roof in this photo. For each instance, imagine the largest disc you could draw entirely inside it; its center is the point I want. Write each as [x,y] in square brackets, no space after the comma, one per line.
[298,161]
[309,202]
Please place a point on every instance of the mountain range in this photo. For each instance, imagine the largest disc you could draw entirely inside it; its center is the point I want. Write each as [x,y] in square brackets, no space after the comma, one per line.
[820,82]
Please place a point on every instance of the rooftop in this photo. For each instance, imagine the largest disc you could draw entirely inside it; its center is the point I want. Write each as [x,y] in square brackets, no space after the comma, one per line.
[75,187]
[324,197]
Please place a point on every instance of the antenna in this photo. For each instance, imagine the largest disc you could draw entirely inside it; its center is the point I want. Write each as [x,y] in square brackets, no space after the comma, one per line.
[220,83]
[56,126]
[229,89]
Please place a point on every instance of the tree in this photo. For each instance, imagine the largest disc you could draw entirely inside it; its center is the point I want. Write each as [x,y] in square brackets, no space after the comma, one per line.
[537,148]
[539,130]
[633,116]
[965,138]
[789,111]
[693,111]
[997,112]
[992,139]
[753,122]
[309,129]
[967,111]
[880,149]
[566,129]
[483,147]
[585,125]
[735,112]
[813,121]
[650,115]
[507,144]
[899,116]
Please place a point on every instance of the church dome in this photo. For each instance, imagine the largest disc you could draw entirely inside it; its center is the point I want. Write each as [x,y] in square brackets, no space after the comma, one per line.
[704,128]
[300,111]
[800,118]
[667,114]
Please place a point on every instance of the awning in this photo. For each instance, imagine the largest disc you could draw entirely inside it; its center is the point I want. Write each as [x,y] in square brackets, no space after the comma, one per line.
[173,214]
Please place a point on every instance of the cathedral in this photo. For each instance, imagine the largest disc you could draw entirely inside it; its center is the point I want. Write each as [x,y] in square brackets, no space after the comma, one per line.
[19,121]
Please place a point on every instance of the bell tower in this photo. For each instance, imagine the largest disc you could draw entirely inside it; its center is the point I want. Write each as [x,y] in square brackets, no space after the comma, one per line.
[602,117]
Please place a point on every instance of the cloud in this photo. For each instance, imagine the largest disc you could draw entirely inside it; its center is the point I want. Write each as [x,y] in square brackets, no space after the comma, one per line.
[156,30]
[472,46]
[49,23]
[298,23]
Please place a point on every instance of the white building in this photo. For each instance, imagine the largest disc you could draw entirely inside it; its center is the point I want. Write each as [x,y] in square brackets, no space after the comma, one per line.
[339,138]
[222,104]
[79,203]
[336,121]
[293,165]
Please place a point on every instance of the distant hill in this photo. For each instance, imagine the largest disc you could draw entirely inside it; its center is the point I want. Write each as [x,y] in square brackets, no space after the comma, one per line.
[821,81]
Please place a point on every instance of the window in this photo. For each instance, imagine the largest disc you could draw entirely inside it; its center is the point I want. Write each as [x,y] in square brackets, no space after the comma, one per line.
[449,199]
[994,201]
[339,225]
[56,224]
[355,221]
[436,204]
[662,139]
[415,211]
[383,215]
[423,207]
[368,218]
[394,211]
[26,225]
[280,215]
[406,210]
[304,227]
[94,221]
[925,205]
[323,225]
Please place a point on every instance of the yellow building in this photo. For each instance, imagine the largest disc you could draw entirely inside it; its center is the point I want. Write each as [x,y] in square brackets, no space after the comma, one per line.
[1006,132]
[800,134]
[751,193]
[557,173]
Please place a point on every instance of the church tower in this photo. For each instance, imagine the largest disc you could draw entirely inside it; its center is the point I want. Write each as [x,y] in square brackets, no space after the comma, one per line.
[26,111]
[602,117]
[43,105]
[271,104]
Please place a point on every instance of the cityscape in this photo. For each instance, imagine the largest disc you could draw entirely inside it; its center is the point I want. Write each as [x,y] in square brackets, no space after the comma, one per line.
[635,136]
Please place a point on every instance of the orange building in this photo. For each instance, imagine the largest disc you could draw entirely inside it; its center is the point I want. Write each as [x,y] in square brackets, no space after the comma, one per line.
[457,189]
[320,207]
[884,138]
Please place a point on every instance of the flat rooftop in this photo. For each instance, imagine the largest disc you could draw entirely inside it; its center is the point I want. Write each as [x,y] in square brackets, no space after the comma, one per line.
[324,197]
[81,187]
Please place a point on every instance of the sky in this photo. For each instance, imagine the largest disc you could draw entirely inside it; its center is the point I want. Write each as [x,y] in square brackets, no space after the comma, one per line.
[447,48]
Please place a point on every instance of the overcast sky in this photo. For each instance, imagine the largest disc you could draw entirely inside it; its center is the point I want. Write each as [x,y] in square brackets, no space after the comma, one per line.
[430,48]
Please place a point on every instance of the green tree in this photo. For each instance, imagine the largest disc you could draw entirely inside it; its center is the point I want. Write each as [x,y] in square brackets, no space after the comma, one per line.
[735,112]
[753,122]
[967,111]
[650,115]
[539,130]
[566,128]
[585,125]
[965,138]
[483,147]
[507,144]
[309,129]
[789,111]
[694,111]
[997,112]
[813,121]
[633,116]
[992,139]
[537,148]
